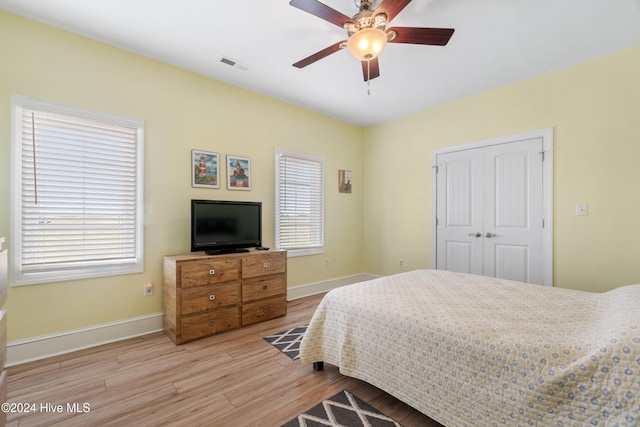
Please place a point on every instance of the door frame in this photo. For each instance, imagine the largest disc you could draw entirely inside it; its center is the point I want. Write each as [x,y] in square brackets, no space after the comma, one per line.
[547,191]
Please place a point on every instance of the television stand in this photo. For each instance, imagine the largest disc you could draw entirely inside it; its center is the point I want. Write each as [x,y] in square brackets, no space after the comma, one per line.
[203,295]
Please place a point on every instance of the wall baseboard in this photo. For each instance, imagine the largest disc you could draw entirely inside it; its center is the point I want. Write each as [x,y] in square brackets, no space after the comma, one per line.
[301,291]
[31,349]
[42,347]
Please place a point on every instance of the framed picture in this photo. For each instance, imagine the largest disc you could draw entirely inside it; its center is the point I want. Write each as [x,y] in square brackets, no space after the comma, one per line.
[238,173]
[205,169]
[344,181]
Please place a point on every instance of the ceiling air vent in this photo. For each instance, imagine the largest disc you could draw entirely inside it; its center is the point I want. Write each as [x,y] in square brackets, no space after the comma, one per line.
[234,63]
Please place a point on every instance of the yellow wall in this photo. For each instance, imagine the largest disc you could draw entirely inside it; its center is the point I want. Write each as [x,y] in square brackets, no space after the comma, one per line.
[594,109]
[182,111]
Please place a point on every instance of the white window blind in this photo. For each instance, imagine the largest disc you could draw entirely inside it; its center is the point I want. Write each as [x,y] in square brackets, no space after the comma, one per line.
[299,203]
[77,193]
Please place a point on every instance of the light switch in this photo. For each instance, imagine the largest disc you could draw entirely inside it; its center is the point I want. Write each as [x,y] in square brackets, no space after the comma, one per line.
[582,209]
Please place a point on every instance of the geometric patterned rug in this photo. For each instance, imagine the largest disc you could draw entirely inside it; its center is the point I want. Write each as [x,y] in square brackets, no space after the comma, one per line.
[288,342]
[343,409]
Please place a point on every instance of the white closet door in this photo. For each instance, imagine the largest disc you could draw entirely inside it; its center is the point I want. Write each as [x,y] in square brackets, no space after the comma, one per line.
[513,230]
[460,211]
[490,210]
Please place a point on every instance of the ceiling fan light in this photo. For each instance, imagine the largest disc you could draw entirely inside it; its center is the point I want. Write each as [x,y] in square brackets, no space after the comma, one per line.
[367,43]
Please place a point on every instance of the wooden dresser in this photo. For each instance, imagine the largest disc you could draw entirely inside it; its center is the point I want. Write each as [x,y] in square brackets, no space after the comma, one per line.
[3,328]
[207,294]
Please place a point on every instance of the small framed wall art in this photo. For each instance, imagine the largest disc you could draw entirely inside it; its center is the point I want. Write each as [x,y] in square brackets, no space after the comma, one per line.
[238,173]
[344,181]
[205,169]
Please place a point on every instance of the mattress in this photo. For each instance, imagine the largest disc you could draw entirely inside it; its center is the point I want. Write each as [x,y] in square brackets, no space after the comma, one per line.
[470,350]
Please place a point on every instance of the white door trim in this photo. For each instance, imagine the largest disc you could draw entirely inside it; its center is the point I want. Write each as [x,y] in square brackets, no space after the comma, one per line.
[547,187]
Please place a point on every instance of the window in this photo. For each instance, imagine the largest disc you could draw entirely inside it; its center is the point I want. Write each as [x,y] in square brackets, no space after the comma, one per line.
[299,203]
[76,195]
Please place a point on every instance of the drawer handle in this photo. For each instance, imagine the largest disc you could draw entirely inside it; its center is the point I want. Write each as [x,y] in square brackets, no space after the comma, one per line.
[265,287]
[265,265]
[212,297]
[265,310]
[212,272]
[212,322]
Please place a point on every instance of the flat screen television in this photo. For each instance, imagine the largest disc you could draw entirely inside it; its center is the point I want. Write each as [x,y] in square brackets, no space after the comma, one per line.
[219,226]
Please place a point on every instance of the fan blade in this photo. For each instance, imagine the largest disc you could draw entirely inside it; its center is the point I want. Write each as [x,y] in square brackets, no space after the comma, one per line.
[322,11]
[319,55]
[370,69]
[413,35]
[391,8]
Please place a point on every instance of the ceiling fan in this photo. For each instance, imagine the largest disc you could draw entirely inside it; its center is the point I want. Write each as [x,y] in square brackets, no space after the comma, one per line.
[367,32]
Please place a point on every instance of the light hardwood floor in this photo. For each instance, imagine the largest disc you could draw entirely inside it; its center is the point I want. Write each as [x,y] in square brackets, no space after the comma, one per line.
[232,379]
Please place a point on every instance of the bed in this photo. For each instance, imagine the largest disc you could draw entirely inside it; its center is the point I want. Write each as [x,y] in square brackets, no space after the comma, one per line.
[470,350]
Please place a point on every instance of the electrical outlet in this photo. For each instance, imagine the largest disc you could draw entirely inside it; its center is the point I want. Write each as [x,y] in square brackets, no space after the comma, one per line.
[582,209]
[148,288]
[401,262]
[326,263]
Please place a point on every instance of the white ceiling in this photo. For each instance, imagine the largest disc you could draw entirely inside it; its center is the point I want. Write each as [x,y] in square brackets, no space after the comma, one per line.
[496,42]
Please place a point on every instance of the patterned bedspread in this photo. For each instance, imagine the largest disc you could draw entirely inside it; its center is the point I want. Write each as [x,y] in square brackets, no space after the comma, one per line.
[471,350]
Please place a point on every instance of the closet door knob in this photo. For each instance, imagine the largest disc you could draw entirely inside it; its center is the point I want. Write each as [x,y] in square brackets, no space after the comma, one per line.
[489,235]
[478,234]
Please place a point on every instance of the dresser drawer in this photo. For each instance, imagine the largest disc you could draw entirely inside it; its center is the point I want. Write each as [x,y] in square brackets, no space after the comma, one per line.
[260,311]
[209,297]
[3,340]
[263,287]
[267,264]
[211,322]
[3,396]
[208,271]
